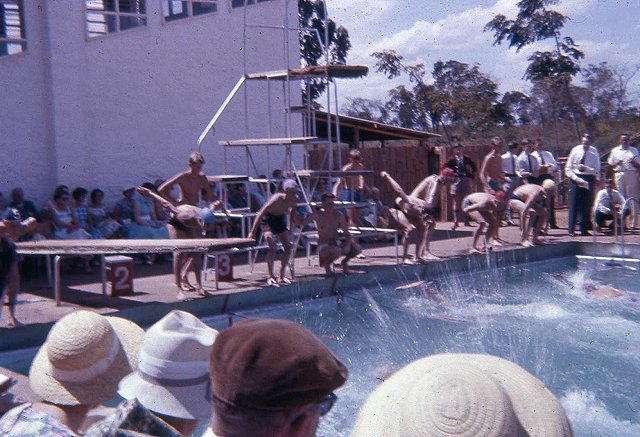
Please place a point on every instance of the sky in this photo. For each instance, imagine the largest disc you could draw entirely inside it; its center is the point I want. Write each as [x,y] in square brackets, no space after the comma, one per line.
[430,30]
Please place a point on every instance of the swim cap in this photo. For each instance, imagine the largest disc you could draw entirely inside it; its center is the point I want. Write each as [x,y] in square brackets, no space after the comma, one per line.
[548,185]
[448,173]
[207,216]
[501,196]
[11,215]
[289,183]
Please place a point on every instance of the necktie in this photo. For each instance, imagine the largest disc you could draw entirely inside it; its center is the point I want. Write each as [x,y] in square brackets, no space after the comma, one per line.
[584,157]
[529,161]
[513,164]
[541,157]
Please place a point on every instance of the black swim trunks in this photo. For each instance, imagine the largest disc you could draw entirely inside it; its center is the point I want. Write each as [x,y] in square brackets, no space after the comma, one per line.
[177,224]
[8,256]
[277,223]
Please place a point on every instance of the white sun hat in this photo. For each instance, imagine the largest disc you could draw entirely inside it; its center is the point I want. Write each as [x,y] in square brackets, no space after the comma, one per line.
[462,395]
[84,357]
[173,369]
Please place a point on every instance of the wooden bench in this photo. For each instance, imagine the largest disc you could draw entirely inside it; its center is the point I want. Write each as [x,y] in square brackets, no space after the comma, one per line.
[65,248]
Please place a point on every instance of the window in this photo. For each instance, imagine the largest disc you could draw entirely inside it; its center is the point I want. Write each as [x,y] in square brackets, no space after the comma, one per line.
[240,3]
[110,16]
[176,9]
[12,34]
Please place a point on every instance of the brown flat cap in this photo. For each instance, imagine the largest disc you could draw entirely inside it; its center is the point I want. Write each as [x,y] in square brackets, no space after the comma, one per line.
[273,365]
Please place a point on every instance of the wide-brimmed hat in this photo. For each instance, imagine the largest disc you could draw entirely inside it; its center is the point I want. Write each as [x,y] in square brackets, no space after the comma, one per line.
[462,395]
[84,357]
[173,368]
[272,365]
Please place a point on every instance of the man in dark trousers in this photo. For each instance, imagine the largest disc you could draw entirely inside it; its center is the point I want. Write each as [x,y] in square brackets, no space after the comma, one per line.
[465,171]
[582,170]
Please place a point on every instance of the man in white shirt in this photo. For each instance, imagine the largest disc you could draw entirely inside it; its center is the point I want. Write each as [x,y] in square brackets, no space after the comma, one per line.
[625,162]
[608,205]
[511,174]
[528,164]
[548,168]
[582,170]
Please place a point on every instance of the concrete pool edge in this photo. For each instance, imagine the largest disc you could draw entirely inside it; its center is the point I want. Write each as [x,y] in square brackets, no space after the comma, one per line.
[35,334]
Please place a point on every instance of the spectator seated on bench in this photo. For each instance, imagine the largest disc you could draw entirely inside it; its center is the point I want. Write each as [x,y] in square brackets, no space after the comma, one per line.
[104,224]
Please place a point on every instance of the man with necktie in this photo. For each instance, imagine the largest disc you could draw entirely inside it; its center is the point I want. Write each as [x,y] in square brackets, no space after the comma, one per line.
[582,170]
[548,168]
[528,164]
[625,162]
[511,174]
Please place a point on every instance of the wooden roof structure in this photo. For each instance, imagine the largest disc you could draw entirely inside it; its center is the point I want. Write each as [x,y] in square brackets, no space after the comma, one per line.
[355,130]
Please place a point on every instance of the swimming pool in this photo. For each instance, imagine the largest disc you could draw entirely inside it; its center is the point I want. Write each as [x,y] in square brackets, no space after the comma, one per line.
[586,350]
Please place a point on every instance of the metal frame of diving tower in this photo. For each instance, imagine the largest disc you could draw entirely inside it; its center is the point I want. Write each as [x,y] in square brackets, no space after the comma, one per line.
[287,77]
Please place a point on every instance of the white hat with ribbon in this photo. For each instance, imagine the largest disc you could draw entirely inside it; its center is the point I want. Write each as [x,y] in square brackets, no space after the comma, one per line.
[84,357]
[462,395]
[172,377]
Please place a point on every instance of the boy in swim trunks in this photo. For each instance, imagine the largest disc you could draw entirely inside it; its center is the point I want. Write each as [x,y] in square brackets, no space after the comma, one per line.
[186,222]
[329,221]
[272,217]
[482,208]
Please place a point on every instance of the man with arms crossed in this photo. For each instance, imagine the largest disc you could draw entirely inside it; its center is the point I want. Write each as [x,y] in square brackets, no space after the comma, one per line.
[328,222]
[274,215]
[354,186]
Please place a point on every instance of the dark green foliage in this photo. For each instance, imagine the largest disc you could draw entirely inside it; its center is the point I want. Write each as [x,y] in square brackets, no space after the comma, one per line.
[311,16]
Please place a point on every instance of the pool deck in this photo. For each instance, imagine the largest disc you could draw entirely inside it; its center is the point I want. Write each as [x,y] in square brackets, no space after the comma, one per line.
[155,291]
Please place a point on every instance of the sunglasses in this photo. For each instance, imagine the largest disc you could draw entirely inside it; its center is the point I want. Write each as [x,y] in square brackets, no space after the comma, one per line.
[326,404]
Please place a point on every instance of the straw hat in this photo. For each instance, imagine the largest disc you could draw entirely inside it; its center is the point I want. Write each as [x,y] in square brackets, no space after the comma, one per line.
[460,395]
[173,369]
[84,357]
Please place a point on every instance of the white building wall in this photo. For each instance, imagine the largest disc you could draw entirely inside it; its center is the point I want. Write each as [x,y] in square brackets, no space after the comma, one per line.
[127,108]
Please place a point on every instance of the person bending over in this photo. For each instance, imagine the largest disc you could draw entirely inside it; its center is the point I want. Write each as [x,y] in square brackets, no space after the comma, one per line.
[482,209]
[272,217]
[529,200]
[186,222]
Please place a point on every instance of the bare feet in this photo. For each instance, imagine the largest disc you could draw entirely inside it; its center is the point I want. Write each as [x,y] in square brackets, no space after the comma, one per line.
[284,280]
[11,321]
[495,243]
[187,287]
[347,270]
[408,261]
[526,243]
[271,282]
[455,226]
[537,242]
[475,250]
[180,296]
[202,292]
[431,256]
[422,260]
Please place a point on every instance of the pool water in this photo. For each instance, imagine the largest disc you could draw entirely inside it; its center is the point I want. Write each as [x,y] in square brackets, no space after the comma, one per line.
[586,350]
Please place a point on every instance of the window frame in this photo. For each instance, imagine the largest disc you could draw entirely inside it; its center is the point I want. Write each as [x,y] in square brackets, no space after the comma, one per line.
[252,3]
[189,10]
[22,41]
[89,36]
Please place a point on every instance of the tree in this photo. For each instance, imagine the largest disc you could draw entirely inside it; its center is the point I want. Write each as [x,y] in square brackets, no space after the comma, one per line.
[366,109]
[312,18]
[517,107]
[606,87]
[536,22]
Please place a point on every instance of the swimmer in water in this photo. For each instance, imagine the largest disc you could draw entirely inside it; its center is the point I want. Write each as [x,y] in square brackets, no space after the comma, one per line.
[602,292]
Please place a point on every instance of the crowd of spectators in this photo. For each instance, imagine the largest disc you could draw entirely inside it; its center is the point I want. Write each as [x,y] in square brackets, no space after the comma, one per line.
[258,378]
